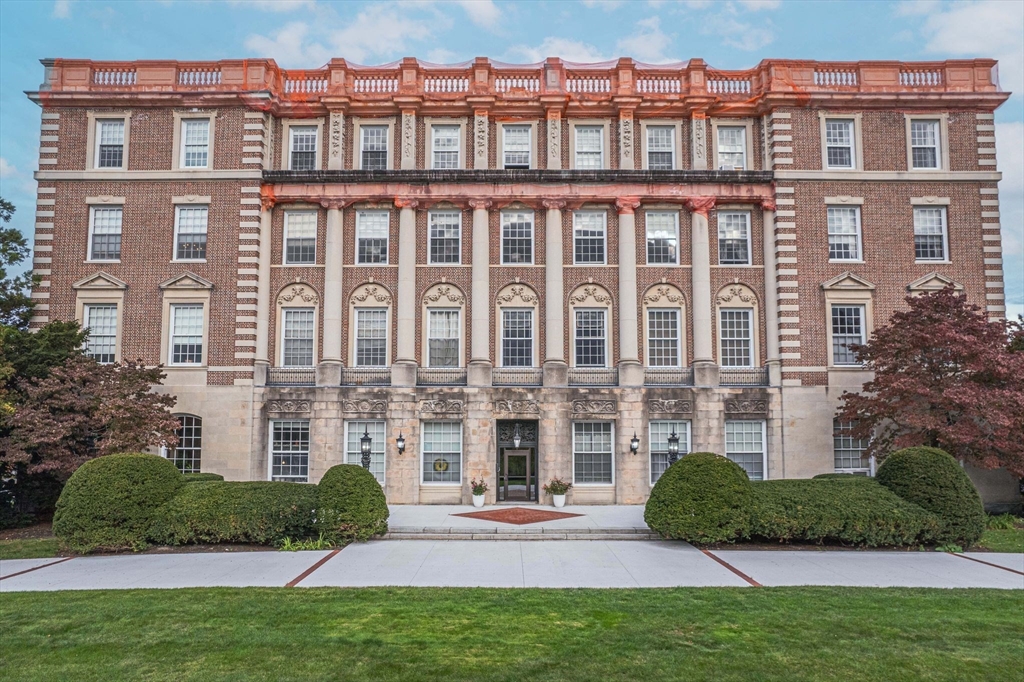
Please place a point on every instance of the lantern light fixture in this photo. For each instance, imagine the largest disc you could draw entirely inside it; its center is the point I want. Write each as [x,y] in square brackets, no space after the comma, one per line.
[673,448]
[634,443]
[365,445]
[400,443]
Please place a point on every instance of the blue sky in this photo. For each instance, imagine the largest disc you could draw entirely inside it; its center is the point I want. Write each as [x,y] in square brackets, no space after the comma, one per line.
[306,33]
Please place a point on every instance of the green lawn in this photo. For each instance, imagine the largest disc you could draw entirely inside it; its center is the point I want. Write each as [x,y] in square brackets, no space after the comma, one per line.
[789,634]
[1007,540]
[36,548]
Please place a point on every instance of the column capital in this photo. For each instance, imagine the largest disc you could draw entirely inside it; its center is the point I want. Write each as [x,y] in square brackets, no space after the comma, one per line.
[768,204]
[553,204]
[336,204]
[627,204]
[267,200]
[406,202]
[701,205]
[477,204]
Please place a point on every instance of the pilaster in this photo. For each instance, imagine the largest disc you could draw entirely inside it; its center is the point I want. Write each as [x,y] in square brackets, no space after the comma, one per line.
[555,367]
[329,371]
[408,161]
[481,135]
[480,359]
[771,300]
[262,360]
[705,369]
[630,370]
[404,372]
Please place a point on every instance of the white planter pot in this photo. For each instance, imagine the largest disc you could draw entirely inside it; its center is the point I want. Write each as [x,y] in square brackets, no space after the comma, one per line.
[559,500]
[478,500]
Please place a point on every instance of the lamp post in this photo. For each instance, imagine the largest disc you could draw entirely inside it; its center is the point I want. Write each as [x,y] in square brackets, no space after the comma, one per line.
[634,444]
[364,447]
[673,448]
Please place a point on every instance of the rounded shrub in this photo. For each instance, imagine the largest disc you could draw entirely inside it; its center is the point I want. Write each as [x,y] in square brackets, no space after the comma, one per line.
[350,504]
[702,498]
[192,478]
[932,479]
[110,502]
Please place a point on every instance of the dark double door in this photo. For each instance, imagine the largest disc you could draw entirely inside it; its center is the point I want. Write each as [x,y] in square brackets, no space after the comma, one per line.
[517,462]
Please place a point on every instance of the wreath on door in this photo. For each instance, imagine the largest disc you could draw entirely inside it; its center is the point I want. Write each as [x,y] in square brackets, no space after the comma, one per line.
[440,464]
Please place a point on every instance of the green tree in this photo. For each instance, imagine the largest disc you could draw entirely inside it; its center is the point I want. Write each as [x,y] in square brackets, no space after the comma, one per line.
[15,302]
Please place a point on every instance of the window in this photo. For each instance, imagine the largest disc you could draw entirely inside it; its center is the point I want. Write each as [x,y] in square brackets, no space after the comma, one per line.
[302,148]
[299,237]
[186,334]
[930,234]
[517,146]
[733,238]
[590,338]
[847,330]
[289,450]
[662,337]
[354,447]
[517,237]
[195,143]
[101,321]
[371,337]
[588,237]
[924,144]
[732,148]
[843,233]
[372,236]
[839,143]
[297,338]
[190,232]
[744,444]
[849,451]
[660,432]
[662,237]
[443,338]
[445,237]
[374,148]
[445,146]
[661,146]
[442,452]
[188,453]
[105,238]
[736,337]
[592,452]
[589,147]
[516,337]
[110,144]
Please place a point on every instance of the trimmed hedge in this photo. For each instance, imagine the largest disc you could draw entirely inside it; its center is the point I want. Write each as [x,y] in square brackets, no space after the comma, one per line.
[702,498]
[110,502]
[351,504]
[932,479]
[255,512]
[192,478]
[845,509]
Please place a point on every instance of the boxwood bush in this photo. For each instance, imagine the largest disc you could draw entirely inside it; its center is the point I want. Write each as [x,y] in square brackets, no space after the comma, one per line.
[852,510]
[932,479]
[702,498]
[110,502]
[192,478]
[351,504]
[256,512]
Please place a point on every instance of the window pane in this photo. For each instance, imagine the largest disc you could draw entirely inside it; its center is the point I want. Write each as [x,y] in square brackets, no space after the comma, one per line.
[660,147]
[372,236]
[930,233]
[289,451]
[517,338]
[110,138]
[106,234]
[589,145]
[516,237]
[588,230]
[849,451]
[445,229]
[736,339]
[592,452]
[186,334]
[298,338]
[446,146]
[192,226]
[101,321]
[371,337]
[300,237]
[443,338]
[660,432]
[662,337]
[839,144]
[303,148]
[744,444]
[187,455]
[375,147]
[517,146]
[590,338]
[195,136]
[734,238]
[354,446]
[732,148]
[847,330]
[924,143]
[843,233]
[662,238]
[442,452]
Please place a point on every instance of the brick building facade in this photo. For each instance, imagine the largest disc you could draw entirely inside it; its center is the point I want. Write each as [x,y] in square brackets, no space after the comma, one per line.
[511,269]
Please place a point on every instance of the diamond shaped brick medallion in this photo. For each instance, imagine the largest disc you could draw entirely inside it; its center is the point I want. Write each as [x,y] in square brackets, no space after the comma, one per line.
[518,515]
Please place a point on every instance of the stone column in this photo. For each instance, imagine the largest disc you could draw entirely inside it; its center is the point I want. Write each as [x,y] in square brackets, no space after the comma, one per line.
[328,372]
[771,296]
[631,372]
[705,369]
[262,361]
[556,370]
[408,141]
[403,372]
[480,359]
[481,136]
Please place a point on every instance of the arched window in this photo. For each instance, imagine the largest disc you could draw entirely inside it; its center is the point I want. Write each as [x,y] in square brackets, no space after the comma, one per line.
[369,325]
[187,455]
[297,312]
[591,310]
[737,327]
[444,307]
[517,338]
[664,326]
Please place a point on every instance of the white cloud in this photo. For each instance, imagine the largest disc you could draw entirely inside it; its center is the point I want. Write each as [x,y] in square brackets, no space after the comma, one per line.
[62,9]
[275,5]
[380,31]
[758,5]
[1010,154]
[569,50]
[482,12]
[6,169]
[739,34]
[912,8]
[697,4]
[441,56]
[289,47]
[648,44]
[606,5]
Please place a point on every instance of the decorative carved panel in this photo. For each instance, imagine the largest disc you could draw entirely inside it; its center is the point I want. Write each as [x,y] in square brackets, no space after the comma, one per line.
[298,294]
[746,405]
[520,294]
[442,405]
[288,406]
[517,406]
[444,293]
[364,405]
[670,406]
[372,293]
[594,407]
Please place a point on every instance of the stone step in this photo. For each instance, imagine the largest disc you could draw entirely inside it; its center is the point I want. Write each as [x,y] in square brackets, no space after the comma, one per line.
[518,533]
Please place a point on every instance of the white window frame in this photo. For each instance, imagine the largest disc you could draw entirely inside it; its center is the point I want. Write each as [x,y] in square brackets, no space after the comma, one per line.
[764,443]
[171,335]
[270,448]
[604,237]
[859,235]
[533,335]
[462,452]
[677,153]
[573,452]
[358,125]
[316,143]
[679,336]
[647,145]
[942,118]
[533,235]
[605,142]
[944,211]
[97,122]
[430,257]
[458,336]
[183,146]
[718,146]
[856,137]
[647,234]
[349,423]
[92,226]
[177,226]
[459,135]
[287,236]
[607,337]
[87,309]
[531,131]
[387,237]
[831,335]
[720,222]
[752,339]
[284,332]
[355,336]
[650,442]
[869,470]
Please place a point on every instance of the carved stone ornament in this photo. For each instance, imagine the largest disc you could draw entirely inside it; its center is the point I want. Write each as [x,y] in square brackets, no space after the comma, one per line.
[297,294]
[372,293]
[554,139]
[518,292]
[449,293]
[408,135]
[442,405]
[590,291]
[627,204]
[768,204]
[664,291]
[626,133]
[364,405]
[337,133]
[670,406]
[594,407]
[700,205]
[737,291]
[480,138]
[288,406]
[745,406]
[517,406]
[699,141]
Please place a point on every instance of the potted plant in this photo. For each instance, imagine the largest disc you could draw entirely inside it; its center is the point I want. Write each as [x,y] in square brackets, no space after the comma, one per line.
[479,488]
[557,488]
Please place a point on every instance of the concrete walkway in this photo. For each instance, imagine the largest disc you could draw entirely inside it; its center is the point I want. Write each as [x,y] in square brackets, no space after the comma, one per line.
[476,563]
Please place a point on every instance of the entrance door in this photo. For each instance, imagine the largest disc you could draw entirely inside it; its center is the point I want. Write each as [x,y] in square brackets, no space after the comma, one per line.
[518,481]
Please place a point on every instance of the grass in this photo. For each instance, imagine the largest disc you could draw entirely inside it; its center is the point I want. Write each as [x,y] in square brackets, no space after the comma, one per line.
[1003,533]
[790,634]
[35,548]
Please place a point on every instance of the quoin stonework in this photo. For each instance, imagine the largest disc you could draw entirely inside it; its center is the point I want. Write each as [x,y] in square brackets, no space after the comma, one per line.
[511,269]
